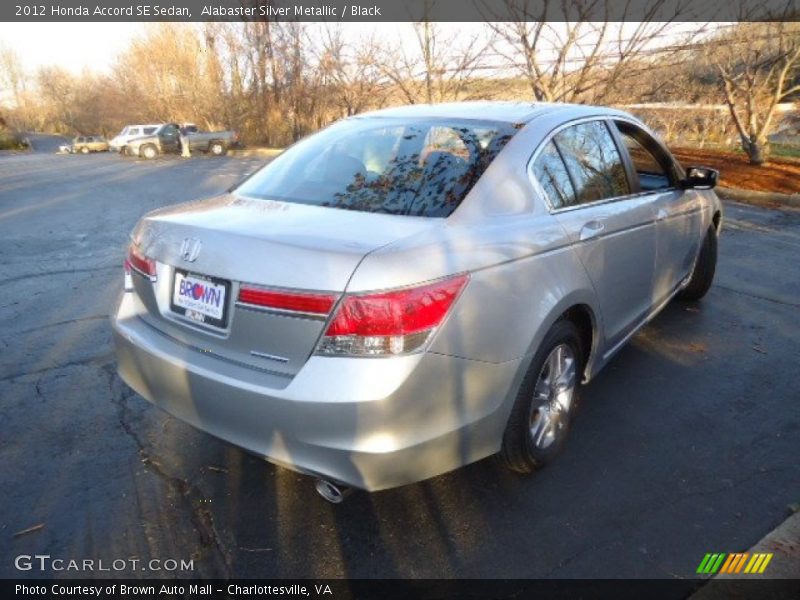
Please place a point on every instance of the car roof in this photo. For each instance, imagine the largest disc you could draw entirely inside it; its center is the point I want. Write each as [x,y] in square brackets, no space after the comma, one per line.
[510,112]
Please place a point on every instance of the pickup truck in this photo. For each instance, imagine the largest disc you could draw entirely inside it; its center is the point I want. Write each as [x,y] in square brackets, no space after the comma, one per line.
[215,142]
[167,138]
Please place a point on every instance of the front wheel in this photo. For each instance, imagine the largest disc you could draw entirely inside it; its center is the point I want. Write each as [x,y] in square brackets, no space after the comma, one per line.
[545,404]
[704,269]
[84,150]
[149,152]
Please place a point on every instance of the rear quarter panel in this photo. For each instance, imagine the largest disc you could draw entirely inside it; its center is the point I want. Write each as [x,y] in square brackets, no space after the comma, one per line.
[523,275]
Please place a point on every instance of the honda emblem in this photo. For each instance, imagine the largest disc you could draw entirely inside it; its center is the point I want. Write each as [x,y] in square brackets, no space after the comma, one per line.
[190,249]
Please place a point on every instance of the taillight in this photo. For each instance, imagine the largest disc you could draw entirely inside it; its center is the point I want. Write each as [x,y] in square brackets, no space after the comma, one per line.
[127,281]
[319,304]
[137,261]
[390,323]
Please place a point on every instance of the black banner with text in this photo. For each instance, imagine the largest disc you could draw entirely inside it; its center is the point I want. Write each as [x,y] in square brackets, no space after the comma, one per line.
[399,10]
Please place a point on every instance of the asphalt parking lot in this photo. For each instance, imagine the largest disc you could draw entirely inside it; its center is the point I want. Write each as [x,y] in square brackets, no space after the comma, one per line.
[687,443]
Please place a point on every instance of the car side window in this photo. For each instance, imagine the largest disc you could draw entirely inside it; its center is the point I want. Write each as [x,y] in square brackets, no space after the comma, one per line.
[551,173]
[593,162]
[652,167]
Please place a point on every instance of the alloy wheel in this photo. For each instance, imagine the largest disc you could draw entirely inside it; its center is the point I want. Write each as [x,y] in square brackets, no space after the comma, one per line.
[552,397]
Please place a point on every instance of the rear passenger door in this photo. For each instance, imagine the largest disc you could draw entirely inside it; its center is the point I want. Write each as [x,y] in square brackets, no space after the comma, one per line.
[169,138]
[586,182]
[678,212]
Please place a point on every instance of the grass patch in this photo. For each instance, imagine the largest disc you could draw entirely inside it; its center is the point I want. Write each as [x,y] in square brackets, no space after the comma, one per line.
[786,150]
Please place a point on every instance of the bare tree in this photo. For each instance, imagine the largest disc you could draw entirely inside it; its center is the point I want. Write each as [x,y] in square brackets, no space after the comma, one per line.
[15,95]
[57,92]
[759,67]
[165,74]
[351,72]
[12,78]
[569,51]
[440,67]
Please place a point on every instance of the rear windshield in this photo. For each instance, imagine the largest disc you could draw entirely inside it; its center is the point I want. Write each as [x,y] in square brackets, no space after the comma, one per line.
[421,167]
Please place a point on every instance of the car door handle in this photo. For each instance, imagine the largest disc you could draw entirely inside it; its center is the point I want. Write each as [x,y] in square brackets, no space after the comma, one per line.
[661,214]
[591,229]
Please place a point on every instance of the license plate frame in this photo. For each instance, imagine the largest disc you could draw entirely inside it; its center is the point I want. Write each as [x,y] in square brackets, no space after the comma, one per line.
[198,316]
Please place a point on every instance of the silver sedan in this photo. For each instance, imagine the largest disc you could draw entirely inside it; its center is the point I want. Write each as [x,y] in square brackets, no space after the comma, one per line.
[414,289]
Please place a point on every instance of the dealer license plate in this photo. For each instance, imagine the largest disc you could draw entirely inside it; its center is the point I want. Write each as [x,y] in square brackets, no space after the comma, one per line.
[200,298]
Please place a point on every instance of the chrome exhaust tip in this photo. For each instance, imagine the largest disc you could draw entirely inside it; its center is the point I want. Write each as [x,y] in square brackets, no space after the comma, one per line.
[332,492]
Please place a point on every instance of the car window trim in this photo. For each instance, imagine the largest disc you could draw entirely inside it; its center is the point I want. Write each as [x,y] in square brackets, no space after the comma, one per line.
[566,170]
[572,184]
[677,171]
[549,137]
[627,160]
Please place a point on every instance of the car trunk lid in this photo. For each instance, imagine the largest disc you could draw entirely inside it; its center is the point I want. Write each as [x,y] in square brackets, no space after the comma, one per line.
[217,249]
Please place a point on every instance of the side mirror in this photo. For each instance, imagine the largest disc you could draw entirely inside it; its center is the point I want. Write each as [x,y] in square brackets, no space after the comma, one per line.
[700,178]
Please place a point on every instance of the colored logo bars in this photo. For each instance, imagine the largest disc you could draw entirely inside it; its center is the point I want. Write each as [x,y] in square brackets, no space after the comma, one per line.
[734,563]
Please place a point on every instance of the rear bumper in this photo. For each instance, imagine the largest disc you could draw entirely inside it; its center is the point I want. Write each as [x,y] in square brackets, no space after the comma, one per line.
[368,423]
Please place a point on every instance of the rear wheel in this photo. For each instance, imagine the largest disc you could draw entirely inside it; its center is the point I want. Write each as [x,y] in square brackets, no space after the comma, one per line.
[84,150]
[543,410]
[704,269]
[149,151]
[216,148]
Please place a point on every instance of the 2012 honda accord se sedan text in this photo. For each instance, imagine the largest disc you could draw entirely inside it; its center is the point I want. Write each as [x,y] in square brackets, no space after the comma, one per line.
[414,289]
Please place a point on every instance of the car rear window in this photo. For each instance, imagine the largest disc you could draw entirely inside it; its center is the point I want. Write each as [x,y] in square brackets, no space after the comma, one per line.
[421,167]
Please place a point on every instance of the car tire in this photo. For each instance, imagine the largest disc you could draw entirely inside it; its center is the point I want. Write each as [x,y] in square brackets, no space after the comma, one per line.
[148,151]
[542,413]
[84,150]
[704,269]
[216,148]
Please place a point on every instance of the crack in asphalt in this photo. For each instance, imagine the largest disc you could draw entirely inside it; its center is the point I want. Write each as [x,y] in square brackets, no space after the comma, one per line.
[572,557]
[38,389]
[201,517]
[757,297]
[59,272]
[67,322]
[100,360]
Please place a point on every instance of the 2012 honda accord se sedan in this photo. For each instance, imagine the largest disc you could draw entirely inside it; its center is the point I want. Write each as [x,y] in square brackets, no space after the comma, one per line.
[414,289]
